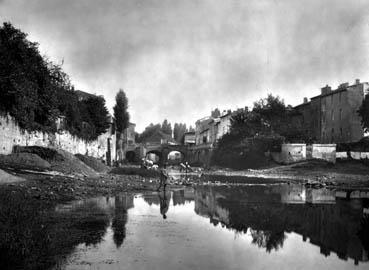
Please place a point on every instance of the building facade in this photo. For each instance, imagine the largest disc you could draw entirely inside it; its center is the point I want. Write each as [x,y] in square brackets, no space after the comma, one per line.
[209,130]
[332,117]
[189,138]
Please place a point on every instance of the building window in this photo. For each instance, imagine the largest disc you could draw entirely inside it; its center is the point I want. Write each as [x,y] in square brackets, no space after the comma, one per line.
[340,114]
[341,132]
[332,139]
[332,115]
[331,99]
[340,96]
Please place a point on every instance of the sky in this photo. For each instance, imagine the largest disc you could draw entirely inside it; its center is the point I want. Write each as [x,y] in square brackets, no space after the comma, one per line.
[178,60]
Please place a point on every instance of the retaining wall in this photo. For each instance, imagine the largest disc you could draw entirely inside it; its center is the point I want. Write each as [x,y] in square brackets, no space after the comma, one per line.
[290,153]
[324,151]
[11,135]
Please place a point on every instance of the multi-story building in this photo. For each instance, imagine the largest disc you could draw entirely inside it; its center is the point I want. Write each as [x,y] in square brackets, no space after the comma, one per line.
[189,138]
[332,117]
[209,129]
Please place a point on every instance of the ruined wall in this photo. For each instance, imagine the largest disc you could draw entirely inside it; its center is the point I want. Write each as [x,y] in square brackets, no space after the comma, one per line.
[290,153]
[324,151]
[11,135]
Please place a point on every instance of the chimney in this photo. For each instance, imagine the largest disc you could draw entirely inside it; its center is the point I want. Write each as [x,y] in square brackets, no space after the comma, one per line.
[305,100]
[326,89]
[343,85]
[357,81]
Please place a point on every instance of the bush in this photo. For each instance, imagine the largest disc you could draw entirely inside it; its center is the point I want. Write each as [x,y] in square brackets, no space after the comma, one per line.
[135,171]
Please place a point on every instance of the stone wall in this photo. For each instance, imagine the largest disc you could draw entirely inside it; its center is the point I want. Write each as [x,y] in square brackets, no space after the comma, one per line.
[11,135]
[324,151]
[290,153]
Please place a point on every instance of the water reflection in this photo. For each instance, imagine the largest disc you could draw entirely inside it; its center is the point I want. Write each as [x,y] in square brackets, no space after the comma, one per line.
[334,224]
[270,218]
[122,204]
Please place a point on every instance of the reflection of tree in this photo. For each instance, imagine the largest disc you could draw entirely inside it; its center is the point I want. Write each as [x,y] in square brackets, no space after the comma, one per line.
[332,227]
[268,239]
[178,197]
[34,236]
[91,223]
[122,204]
[364,232]
[119,227]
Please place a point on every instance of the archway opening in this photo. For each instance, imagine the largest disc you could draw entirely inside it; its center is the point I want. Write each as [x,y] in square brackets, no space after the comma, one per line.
[175,157]
[154,156]
[130,156]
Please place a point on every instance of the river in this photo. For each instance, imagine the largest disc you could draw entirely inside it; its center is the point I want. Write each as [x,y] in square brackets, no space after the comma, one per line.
[277,226]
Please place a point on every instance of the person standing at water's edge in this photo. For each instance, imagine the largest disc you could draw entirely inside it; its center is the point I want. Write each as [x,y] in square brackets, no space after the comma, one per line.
[164,204]
[163,178]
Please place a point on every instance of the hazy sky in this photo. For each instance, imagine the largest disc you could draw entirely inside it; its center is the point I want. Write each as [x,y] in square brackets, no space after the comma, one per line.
[178,59]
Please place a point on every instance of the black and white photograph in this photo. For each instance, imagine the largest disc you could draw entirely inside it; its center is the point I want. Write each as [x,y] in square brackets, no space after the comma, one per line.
[184,134]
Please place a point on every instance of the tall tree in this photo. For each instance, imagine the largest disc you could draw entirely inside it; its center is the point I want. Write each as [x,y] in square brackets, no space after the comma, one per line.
[148,132]
[166,127]
[215,113]
[120,109]
[179,131]
[27,89]
[97,115]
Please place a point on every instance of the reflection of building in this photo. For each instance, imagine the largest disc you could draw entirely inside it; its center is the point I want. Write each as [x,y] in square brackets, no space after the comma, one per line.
[332,116]
[268,212]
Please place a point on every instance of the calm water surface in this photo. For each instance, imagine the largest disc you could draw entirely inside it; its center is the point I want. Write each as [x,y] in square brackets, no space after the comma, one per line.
[206,227]
[217,227]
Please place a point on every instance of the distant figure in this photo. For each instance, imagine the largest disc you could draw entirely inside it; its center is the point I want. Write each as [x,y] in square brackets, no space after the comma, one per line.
[164,204]
[163,178]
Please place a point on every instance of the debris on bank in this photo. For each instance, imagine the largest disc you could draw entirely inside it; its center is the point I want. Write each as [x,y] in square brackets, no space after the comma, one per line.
[94,163]
[6,178]
[24,161]
[60,160]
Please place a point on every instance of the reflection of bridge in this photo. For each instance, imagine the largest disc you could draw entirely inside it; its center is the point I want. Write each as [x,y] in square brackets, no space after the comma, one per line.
[199,154]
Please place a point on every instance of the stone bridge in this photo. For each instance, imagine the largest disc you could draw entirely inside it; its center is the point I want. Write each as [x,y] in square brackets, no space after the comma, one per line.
[198,154]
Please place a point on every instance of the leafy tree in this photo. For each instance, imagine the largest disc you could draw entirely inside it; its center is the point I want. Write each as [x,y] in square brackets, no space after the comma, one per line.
[215,113]
[121,114]
[179,131]
[35,91]
[27,89]
[96,114]
[364,113]
[166,127]
[148,132]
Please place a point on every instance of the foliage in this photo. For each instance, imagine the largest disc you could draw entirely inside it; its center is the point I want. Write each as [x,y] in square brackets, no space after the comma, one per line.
[27,81]
[135,171]
[254,132]
[36,92]
[148,132]
[215,113]
[364,113]
[179,131]
[166,127]
[96,115]
[121,114]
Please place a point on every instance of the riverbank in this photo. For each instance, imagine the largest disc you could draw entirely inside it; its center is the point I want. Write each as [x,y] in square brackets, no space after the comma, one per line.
[57,176]
[345,173]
